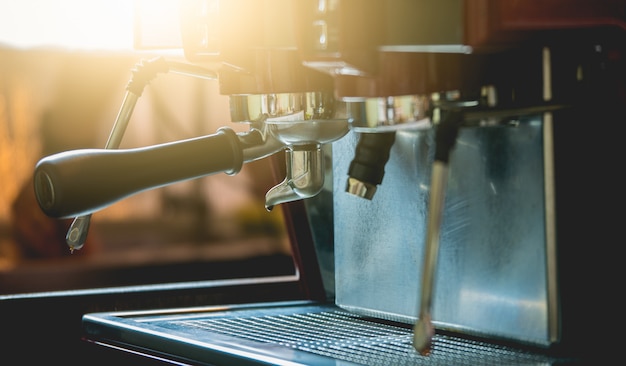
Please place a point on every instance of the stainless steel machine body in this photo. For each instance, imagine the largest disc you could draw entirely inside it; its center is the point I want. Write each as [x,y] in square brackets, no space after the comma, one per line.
[493,274]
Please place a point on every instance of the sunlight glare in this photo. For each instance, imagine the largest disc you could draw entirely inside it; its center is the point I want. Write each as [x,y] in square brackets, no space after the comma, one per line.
[70,24]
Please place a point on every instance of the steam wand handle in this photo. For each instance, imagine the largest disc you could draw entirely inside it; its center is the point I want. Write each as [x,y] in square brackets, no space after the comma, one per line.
[80,182]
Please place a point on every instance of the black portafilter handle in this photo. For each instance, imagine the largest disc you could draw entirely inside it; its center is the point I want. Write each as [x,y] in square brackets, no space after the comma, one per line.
[80,182]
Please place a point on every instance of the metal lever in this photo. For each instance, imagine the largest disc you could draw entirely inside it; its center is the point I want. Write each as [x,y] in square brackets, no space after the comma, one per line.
[445,138]
[77,233]
[142,74]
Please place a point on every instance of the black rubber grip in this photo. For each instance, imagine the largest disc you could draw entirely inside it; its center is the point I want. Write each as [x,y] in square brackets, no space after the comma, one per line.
[371,156]
[80,182]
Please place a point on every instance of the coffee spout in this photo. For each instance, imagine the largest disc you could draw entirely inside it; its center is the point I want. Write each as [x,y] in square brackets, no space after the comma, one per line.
[304,157]
[304,178]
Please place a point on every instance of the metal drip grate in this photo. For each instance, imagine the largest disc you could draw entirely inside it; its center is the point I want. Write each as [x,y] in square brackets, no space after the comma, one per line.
[349,337]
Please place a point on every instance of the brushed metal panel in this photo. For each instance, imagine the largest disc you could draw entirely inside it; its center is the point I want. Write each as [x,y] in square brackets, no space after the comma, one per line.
[491,277]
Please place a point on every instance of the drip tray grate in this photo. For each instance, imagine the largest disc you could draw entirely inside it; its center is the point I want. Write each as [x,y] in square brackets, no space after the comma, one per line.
[350,337]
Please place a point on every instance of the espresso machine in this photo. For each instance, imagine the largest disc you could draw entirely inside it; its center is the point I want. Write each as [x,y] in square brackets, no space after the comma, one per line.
[456,162]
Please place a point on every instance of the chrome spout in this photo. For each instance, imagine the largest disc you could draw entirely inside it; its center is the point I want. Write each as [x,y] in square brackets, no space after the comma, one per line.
[304,178]
[304,158]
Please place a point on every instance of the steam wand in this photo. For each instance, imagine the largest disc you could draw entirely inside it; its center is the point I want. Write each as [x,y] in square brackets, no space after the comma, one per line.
[143,73]
[77,233]
[445,138]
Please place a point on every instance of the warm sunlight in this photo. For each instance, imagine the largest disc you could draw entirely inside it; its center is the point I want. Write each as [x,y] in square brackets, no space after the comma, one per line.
[81,24]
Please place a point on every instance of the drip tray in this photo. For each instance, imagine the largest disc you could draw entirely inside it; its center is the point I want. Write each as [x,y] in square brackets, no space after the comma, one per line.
[293,334]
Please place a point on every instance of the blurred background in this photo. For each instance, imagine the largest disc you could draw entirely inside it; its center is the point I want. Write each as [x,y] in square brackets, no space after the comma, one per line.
[64,66]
